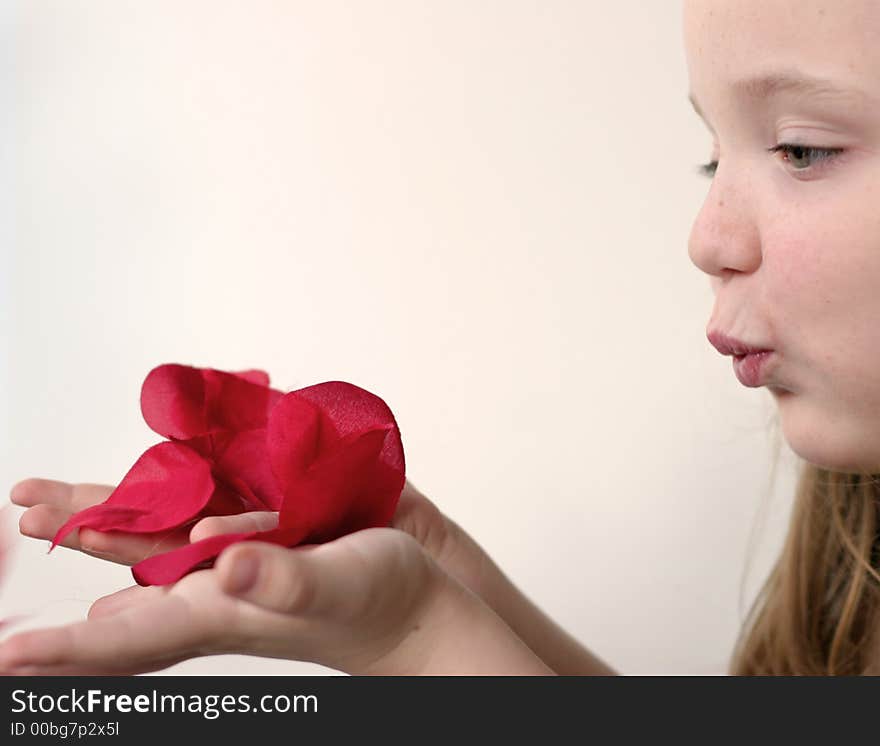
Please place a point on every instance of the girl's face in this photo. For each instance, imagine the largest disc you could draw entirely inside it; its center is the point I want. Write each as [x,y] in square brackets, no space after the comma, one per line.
[791,236]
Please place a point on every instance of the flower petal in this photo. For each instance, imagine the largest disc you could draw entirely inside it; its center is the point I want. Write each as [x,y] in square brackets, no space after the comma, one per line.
[258,377]
[242,460]
[350,408]
[296,434]
[346,490]
[181,402]
[170,567]
[338,409]
[336,451]
[168,485]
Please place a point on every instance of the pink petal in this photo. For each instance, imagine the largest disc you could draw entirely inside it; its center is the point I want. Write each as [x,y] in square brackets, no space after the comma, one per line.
[328,457]
[170,567]
[226,500]
[336,451]
[242,460]
[103,517]
[296,434]
[181,402]
[348,489]
[258,377]
[167,486]
[353,410]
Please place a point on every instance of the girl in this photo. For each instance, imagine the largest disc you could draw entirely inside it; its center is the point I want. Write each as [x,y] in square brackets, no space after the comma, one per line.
[790,237]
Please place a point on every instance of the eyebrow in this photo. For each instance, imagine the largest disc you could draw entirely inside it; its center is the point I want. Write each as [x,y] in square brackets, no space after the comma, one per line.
[769,84]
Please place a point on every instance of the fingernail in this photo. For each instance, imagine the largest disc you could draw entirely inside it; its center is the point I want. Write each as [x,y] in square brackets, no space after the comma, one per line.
[242,575]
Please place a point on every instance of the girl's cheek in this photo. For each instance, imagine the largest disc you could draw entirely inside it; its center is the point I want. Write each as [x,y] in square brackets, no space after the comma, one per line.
[790,262]
[803,242]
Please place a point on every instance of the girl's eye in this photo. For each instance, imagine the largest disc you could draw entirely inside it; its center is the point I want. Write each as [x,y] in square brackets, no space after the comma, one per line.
[707,169]
[797,155]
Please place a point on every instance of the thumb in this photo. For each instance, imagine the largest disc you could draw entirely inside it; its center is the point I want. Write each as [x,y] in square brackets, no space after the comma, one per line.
[303,580]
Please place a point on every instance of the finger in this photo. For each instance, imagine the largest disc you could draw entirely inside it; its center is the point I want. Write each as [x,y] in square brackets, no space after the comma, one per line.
[127,598]
[419,517]
[303,580]
[147,637]
[258,520]
[43,521]
[72,497]
[410,505]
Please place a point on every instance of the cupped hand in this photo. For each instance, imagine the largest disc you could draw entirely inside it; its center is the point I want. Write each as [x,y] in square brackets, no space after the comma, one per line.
[50,504]
[369,602]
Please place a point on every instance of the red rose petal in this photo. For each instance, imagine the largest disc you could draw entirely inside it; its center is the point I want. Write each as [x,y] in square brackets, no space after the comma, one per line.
[258,377]
[170,567]
[168,485]
[242,460]
[346,490]
[181,402]
[296,433]
[352,409]
[342,409]
[226,500]
[336,451]
[328,457]
[103,517]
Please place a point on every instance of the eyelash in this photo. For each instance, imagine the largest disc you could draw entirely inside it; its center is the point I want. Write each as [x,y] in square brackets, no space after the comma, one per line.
[708,169]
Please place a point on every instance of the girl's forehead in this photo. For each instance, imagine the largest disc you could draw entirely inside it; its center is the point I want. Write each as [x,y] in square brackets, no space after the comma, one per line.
[755,47]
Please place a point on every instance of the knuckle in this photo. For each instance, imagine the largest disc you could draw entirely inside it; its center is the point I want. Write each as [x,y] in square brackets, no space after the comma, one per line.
[424,521]
[17,649]
[96,609]
[263,520]
[27,647]
[92,541]
[226,632]
[298,588]
[100,545]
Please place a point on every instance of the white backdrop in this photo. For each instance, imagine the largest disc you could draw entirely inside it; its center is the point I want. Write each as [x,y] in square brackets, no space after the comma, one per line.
[477,210]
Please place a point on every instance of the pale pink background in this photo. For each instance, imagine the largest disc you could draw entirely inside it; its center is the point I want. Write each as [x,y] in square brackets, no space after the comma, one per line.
[477,210]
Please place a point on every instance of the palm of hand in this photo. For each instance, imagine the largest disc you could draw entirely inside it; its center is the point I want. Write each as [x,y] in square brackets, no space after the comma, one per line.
[304,604]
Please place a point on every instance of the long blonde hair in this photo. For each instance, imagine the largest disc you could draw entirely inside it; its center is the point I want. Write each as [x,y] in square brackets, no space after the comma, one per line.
[817,611]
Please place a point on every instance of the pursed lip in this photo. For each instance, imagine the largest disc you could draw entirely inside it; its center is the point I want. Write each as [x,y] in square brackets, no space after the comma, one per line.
[727,345]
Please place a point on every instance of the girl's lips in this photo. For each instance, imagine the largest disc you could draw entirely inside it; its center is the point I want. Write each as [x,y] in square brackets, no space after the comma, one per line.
[750,369]
[728,345]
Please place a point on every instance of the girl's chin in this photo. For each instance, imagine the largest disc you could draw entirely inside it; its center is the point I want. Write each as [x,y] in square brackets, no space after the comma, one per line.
[779,391]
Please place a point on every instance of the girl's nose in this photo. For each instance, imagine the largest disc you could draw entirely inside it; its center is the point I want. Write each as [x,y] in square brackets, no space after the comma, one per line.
[724,236]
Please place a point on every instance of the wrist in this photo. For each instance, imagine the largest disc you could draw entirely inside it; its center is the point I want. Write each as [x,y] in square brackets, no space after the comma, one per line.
[554,646]
[455,633]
